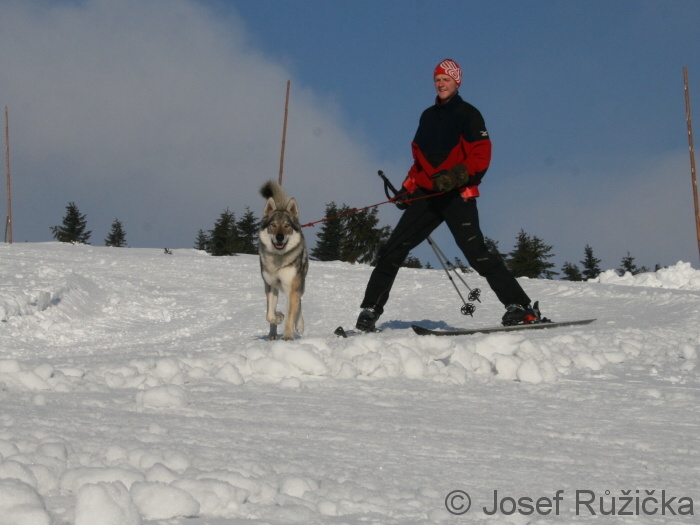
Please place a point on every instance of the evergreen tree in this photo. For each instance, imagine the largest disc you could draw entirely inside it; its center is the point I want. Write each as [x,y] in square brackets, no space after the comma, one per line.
[591,270]
[248,227]
[460,265]
[381,236]
[627,265]
[73,228]
[350,236]
[362,238]
[412,262]
[330,237]
[117,235]
[493,248]
[202,241]
[528,259]
[224,238]
[571,272]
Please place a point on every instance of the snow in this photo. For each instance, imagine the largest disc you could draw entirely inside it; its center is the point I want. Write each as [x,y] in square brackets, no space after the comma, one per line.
[137,387]
[681,276]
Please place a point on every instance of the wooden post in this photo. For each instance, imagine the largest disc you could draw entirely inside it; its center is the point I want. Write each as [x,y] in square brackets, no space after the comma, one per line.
[693,175]
[284,132]
[8,222]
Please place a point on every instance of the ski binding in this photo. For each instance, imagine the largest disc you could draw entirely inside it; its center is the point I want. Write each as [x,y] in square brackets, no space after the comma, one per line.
[342,332]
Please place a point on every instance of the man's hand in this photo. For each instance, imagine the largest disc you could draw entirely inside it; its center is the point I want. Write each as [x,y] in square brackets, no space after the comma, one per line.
[455,177]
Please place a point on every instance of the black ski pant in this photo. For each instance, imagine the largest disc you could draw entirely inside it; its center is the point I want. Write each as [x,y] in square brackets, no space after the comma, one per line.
[416,224]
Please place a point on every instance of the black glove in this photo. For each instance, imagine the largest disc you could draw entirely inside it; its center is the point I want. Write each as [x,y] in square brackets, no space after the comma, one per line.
[454,177]
[402,199]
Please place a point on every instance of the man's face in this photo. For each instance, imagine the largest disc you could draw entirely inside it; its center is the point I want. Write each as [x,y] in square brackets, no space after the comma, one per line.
[445,86]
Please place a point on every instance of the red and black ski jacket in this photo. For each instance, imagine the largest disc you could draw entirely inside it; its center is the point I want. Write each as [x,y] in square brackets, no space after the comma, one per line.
[449,134]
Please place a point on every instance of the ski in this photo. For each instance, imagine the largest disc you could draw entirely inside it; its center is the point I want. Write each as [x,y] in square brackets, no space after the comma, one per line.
[491,329]
[342,332]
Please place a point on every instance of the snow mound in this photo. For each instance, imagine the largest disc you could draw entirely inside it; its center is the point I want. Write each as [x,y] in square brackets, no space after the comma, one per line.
[681,276]
[22,296]
[167,396]
[20,504]
[159,501]
[105,504]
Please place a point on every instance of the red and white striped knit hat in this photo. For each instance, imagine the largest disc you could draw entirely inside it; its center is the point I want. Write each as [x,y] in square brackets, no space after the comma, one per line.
[450,68]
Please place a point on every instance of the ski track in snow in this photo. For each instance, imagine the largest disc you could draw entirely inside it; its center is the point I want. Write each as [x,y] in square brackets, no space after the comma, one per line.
[137,387]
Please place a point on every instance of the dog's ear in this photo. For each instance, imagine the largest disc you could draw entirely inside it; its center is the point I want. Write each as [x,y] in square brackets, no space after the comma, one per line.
[270,207]
[292,208]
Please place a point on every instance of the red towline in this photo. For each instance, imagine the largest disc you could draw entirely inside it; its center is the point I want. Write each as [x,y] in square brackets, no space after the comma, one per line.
[407,201]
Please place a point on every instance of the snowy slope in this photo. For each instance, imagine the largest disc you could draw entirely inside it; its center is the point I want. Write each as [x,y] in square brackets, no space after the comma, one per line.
[137,387]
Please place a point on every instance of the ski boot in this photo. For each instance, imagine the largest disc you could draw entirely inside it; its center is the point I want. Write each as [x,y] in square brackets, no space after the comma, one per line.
[519,314]
[367,320]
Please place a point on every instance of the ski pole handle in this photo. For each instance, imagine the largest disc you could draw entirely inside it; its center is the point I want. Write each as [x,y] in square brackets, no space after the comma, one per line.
[387,182]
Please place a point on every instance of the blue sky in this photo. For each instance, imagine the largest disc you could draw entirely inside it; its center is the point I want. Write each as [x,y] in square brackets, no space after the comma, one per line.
[162,113]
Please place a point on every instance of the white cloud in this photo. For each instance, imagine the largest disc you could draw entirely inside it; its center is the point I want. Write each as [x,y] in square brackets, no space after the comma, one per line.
[161,114]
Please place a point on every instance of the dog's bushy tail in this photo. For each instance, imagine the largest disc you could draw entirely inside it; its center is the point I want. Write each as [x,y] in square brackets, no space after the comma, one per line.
[274,190]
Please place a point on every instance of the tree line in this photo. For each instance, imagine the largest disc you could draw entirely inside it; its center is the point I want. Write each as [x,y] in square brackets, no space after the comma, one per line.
[352,235]
[73,229]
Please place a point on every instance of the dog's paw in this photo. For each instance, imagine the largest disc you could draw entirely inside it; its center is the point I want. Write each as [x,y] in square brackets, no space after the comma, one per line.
[288,337]
[272,335]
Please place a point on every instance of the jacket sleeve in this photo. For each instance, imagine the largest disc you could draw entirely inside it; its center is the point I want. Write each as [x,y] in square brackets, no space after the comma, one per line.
[477,145]
[478,157]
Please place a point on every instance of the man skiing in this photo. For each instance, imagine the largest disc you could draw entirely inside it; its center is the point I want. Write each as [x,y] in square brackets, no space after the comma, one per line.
[451,153]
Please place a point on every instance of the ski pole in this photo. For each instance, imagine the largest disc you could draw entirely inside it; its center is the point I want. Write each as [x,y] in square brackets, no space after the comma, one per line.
[467,308]
[473,294]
